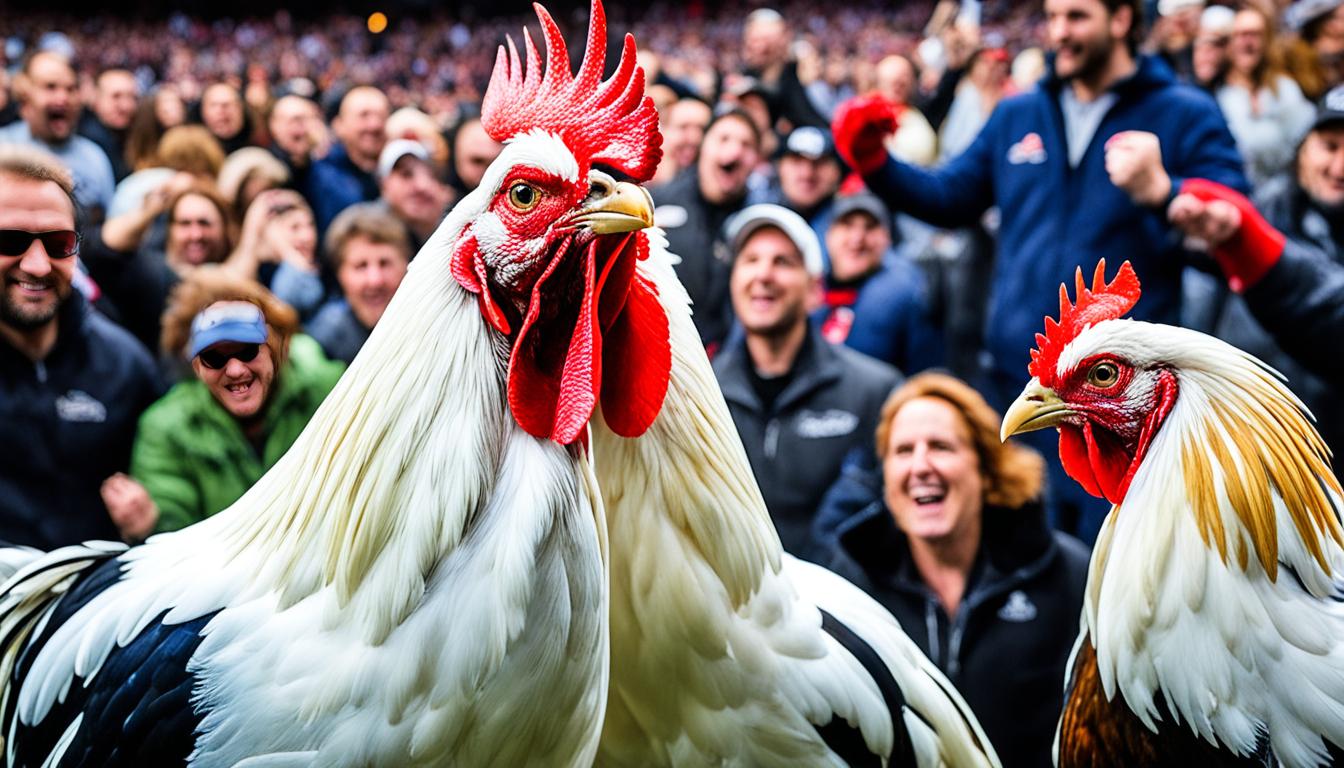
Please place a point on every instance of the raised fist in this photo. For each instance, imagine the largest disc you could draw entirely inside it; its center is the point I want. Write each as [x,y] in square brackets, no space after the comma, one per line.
[860,128]
[1134,163]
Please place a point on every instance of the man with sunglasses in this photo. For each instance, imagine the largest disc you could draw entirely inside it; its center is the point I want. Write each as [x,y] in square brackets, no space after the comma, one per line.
[256,382]
[72,383]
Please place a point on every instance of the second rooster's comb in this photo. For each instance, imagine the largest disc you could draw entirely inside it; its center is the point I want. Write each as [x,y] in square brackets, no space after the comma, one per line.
[1103,301]
[609,122]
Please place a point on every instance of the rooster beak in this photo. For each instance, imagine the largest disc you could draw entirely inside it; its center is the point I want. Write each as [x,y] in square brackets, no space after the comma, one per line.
[1037,407]
[615,207]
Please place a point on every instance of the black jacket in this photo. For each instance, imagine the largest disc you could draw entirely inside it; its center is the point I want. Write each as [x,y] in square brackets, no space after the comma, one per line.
[67,423]
[797,448]
[695,233]
[1286,318]
[1301,301]
[112,142]
[1007,647]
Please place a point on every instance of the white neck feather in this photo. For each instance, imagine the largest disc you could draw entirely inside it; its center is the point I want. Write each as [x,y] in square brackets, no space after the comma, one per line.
[689,472]
[386,477]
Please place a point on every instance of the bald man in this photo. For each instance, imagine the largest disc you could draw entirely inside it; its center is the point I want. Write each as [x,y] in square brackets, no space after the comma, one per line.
[914,140]
[346,175]
[116,95]
[48,113]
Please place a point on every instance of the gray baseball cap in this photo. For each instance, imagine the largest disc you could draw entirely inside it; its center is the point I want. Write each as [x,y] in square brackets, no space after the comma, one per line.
[754,217]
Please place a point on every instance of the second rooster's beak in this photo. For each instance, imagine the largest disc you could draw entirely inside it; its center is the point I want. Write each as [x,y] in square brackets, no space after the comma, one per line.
[1037,407]
[613,207]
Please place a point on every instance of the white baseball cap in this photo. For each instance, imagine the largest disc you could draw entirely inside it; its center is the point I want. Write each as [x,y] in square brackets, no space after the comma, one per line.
[397,149]
[753,217]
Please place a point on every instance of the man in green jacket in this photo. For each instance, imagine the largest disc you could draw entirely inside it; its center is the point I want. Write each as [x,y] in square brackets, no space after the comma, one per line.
[256,384]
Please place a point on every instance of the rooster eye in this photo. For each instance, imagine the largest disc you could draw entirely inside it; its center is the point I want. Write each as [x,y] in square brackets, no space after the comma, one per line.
[523,197]
[1103,375]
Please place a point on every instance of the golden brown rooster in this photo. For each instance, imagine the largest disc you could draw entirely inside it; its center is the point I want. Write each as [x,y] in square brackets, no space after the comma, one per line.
[1213,623]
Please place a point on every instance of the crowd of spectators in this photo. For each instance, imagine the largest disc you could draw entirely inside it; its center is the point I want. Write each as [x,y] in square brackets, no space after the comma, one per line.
[201,224]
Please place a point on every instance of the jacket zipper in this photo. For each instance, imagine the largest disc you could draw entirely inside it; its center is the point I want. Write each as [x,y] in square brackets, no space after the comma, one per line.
[771,438]
[931,625]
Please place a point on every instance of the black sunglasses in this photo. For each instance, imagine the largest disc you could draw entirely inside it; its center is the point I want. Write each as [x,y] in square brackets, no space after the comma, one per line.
[60,244]
[214,359]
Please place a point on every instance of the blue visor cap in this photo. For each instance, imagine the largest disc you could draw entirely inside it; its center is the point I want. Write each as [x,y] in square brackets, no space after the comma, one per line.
[236,321]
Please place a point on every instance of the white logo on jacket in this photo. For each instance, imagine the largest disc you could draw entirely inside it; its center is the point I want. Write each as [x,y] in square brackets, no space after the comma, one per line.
[80,406]
[1029,149]
[1019,608]
[830,423]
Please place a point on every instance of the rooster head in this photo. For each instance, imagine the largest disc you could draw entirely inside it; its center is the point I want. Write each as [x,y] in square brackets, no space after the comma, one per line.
[554,237]
[1104,393]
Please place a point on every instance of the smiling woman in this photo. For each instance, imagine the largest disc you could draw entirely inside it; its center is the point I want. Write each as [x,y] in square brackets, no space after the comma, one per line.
[958,550]
[256,383]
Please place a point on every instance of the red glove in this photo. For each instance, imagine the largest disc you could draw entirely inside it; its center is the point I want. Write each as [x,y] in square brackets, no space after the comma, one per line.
[1248,255]
[860,128]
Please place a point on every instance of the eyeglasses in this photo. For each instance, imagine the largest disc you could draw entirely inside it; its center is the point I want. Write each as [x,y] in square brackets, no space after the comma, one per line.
[60,244]
[214,358]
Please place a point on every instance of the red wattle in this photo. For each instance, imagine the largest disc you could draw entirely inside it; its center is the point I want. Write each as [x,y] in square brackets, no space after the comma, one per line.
[637,362]
[1073,455]
[549,373]
[616,348]
[468,270]
[1110,463]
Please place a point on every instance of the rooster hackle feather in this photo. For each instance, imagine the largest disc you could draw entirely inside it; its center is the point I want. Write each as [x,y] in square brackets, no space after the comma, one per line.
[725,650]
[1213,623]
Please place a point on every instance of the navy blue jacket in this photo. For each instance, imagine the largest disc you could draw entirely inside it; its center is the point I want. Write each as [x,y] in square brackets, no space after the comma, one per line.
[335,183]
[1056,218]
[67,423]
[885,317]
[797,447]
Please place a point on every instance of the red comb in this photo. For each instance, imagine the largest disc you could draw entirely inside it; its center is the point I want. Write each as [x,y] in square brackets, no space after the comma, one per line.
[1105,301]
[609,122]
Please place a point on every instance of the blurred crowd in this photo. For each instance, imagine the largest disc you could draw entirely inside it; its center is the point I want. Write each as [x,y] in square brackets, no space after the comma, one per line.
[248,195]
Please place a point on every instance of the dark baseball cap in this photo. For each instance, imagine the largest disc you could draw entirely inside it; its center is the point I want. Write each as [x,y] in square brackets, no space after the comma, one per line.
[865,202]
[1330,111]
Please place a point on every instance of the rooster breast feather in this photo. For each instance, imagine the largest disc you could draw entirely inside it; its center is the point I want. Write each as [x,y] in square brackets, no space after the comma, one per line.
[380,597]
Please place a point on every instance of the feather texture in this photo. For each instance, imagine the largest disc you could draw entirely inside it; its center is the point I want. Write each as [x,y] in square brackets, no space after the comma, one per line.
[1215,598]
[718,652]
[416,582]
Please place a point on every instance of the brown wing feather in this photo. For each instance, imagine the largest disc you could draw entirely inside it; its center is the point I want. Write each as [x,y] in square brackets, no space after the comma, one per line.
[1096,732]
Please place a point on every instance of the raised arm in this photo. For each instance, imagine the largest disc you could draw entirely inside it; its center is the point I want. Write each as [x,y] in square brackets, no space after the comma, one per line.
[1295,291]
[952,195]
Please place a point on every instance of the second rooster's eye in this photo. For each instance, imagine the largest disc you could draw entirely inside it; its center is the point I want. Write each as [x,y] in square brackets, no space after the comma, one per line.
[524,197]
[1103,375]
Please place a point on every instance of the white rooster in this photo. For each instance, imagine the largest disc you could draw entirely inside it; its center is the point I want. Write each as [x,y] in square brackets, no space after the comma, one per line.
[421,580]
[725,650]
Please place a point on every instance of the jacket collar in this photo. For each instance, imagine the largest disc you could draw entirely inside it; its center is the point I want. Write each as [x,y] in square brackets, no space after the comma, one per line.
[1150,74]
[70,337]
[817,365]
[1011,541]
